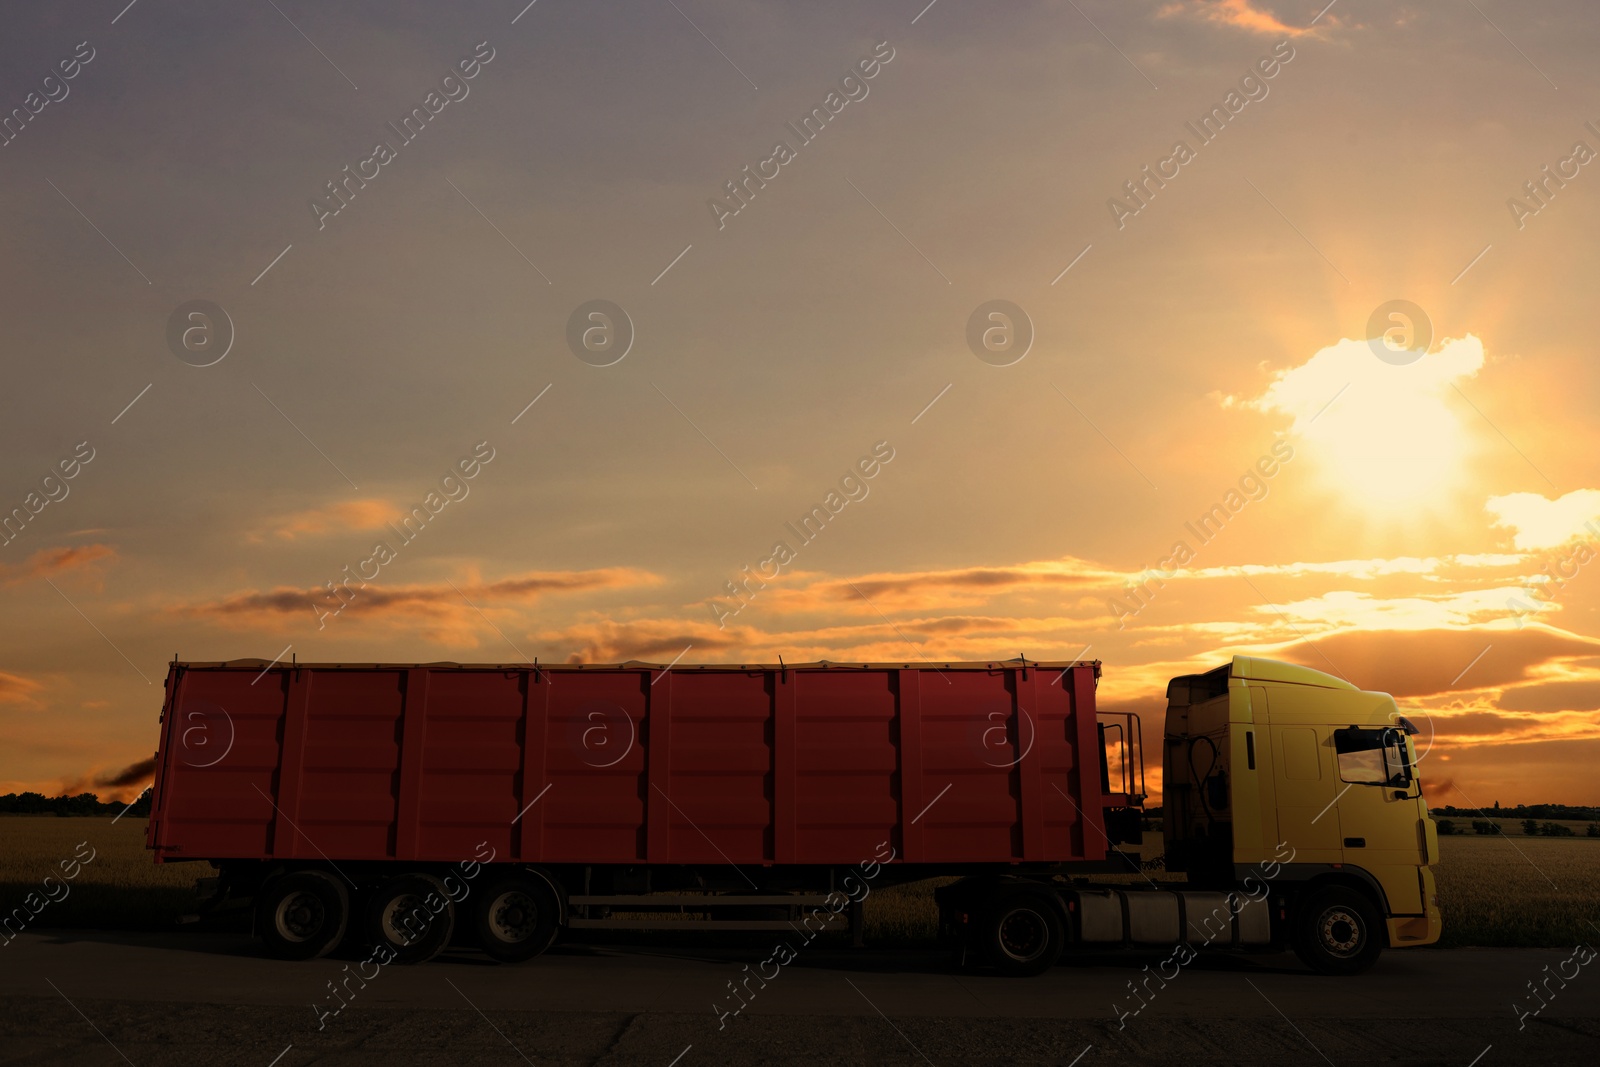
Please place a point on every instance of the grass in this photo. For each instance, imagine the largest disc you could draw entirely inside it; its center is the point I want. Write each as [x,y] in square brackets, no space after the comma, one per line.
[120,888]
[1510,891]
[1519,891]
[1510,825]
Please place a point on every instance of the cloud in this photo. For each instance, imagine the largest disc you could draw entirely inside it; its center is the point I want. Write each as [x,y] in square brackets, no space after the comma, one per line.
[367,514]
[1531,772]
[1421,663]
[15,689]
[1537,522]
[914,641]
[1376,388]
[1345,608]
[50,562]
[438,612]
[1387,434]
[910,590]
[1570,695]
[1240,14]
[652,640]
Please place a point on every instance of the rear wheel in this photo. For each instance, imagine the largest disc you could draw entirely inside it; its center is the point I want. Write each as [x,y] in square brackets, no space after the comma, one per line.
[1023,934]
[1337,931]
[516,918]
[302,915]
[412,916]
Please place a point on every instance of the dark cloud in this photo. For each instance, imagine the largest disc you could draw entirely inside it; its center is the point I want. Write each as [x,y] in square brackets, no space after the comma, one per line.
[1419,663]
[1552,696]
[374,596]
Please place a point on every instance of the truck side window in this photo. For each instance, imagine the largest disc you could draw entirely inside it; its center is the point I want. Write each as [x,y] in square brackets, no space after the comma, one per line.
[1371,757]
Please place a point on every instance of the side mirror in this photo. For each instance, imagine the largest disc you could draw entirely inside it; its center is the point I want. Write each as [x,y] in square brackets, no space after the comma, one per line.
[1394,740]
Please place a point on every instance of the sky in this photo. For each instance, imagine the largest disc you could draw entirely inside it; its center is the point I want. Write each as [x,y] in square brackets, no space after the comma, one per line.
[1146,331]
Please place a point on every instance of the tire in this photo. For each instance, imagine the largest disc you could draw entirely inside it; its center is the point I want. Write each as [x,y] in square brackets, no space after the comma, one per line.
[412,916]
[1023,934]
[302,915]
[1337,931]
[516,918]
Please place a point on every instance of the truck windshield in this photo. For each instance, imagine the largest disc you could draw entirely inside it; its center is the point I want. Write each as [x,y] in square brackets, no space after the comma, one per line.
[1372,757]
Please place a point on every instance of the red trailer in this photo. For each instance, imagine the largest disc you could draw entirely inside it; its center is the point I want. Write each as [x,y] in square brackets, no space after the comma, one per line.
[390,801]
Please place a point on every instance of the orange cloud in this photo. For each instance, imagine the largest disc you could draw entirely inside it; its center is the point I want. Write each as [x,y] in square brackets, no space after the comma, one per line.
[15,689]
[1240,14]
[910,590]
[1533,772]
[1421,663]
[49,562]
[652,640]
[929,590]
[932,639]
[368,514]
[438,612]
[1553,696]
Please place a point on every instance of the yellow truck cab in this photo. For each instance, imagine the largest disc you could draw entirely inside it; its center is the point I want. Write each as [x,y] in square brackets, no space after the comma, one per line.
[1306,786]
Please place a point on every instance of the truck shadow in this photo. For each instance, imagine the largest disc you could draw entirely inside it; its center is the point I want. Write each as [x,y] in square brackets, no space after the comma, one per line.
[235,940]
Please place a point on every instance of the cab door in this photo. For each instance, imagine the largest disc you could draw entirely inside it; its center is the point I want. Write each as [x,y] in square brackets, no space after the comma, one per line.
[1304,778]
[1379,813]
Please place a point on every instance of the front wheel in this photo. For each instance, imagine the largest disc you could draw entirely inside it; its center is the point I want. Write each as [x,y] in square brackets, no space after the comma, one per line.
[516,918]
[302,915]
[1337,931]
[1023,934]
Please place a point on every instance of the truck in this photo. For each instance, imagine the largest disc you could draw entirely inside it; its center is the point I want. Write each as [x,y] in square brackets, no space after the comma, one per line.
[405,807]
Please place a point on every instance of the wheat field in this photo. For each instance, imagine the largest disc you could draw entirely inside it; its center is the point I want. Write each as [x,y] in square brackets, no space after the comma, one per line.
[1495,891]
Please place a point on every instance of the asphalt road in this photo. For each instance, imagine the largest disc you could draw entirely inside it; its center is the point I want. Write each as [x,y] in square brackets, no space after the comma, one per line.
[85,997]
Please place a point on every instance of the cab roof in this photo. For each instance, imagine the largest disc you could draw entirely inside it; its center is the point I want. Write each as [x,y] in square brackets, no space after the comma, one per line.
[1271,670]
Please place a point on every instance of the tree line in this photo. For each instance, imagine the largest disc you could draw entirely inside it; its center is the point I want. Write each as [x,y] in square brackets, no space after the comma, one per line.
[82,804]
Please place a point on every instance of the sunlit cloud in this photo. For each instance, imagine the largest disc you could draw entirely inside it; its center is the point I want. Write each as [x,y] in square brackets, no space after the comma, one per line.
[1538,522]
[366,514]
[1239,14]
[52,562]
[1347,608]
[1383,434]
[16,689]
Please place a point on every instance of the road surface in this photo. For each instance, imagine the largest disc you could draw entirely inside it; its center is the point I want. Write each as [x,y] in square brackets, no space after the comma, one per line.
[93,998]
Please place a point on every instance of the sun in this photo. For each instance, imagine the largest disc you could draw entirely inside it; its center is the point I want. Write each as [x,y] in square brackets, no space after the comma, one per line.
[1388,437]
[1394,446]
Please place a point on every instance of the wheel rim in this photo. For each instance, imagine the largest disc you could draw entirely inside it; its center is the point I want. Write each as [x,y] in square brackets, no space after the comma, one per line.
[299,916]
[399,909]
[1341,932]
[513,917]
[1023,935]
